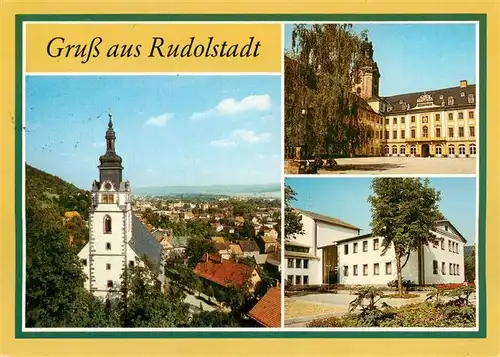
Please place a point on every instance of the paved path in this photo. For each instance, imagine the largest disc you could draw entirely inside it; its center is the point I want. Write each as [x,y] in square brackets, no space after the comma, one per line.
[402,165]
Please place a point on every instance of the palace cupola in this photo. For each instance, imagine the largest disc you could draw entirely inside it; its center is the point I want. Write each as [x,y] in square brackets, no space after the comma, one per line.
[110,168]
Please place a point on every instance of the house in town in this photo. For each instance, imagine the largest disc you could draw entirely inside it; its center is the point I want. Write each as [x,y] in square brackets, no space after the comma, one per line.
[117,238]
[268,243]
[267,312]
[360,260]
[311,257]
[333,251]
[236,250]
[223,249]
[249,248]
[227,273]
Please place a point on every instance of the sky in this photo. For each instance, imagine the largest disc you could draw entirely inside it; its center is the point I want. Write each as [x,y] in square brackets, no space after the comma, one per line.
[171,130]
[347,199]
[419,57]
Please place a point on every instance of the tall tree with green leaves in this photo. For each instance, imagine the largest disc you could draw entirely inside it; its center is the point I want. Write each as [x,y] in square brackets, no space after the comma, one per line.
[404,210]
[321,110]
[293,221]
[470,263]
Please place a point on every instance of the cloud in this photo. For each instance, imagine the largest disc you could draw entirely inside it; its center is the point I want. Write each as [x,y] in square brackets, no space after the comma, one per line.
[160,120]
[99,144]
[250,136]
[223,143]
[231,106]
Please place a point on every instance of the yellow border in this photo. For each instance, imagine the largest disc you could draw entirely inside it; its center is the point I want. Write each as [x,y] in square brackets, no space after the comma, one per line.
[250,347]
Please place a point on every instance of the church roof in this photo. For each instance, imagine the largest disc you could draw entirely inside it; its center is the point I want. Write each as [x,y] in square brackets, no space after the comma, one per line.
[144,243]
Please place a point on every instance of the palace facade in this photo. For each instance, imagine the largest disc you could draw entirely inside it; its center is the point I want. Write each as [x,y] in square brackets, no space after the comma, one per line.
[435,123]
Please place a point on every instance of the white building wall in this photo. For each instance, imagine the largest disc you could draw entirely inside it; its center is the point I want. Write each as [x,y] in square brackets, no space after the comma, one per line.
[446,256]
[313,272]
[329,234]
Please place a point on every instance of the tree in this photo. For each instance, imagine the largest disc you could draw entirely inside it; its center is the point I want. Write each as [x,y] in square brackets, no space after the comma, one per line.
[404,210]
[293,220]
[196,247]
[470,263]
[321,110]
[213,319]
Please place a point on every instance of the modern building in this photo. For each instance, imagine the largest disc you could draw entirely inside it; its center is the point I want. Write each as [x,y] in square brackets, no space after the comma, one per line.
[117,238]
[333,251]
[311,257]
[434,123]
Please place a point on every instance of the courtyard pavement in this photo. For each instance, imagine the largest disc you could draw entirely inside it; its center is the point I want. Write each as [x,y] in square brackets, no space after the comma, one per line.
[402,165]
[300,310]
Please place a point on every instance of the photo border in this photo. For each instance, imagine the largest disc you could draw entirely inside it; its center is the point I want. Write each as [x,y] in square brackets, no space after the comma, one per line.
[258,333]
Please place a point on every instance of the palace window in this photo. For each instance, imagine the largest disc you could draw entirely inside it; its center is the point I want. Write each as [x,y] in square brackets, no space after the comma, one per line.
[441,96]
[413,119]
[306,264]
[131,263]
[376,135]
[355,270]
[346,270]
[438,150]
[346,249]
[108,266]
[402,134]
[84,262]
[438,117]
[375,269]
[460,115]
[305,280]
[109,284]
[425,119]
[434,267]
[413,133]
[402,120]
[298,280]
[395,120]
[394,134]
[451,149]
[387,121]
[108,246]
[450,116]
[449,246]
[461,132]
[425,132]
[458,269]
[365,246]
[375,244]
[355,247]
[298,263]
[450,132]
[472,149]
[380,134]
[450,101]
[443,268]
[394,149]
[471,115]
[107,224]
[387,134]
[290,263]
[450,269]
[472,131]
[386,150]
[461,149]
[413,150]
[402,150]
[470,98]
[365,269]
[438,132]
[388,268]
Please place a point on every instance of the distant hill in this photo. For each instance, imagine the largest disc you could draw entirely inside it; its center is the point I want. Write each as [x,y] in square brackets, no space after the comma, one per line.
[268,190]
[54,192]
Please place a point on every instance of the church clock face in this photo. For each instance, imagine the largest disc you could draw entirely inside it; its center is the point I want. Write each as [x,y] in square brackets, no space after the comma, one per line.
[107,186]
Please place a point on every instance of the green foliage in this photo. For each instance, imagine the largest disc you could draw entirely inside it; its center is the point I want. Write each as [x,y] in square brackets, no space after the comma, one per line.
[408,285]
[320,108]
[196,247]
[470,263]
[213,319]
[404,210]
[293,220]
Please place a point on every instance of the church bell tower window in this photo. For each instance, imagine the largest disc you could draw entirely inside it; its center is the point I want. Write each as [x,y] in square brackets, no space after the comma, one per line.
[107,225]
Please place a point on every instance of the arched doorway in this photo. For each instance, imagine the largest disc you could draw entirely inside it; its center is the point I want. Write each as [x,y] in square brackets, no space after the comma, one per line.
[425,150]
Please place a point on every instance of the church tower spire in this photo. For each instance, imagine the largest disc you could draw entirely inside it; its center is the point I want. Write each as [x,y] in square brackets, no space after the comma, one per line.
[110,168]
[367,74]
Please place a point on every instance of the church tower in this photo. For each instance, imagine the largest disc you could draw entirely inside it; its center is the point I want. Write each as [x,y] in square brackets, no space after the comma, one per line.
[366,82]
[110,223]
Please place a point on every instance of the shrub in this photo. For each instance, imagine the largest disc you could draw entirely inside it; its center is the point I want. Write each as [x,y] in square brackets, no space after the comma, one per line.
[408,285]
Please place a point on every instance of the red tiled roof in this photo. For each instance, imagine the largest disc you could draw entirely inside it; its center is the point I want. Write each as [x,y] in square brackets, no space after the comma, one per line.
[267,311]
[223,272]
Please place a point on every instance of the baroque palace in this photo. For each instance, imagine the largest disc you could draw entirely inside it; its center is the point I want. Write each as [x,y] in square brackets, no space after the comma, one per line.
[435,123]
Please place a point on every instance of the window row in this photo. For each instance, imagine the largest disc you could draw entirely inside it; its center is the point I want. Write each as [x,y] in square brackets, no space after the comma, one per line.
[425,118]
[365,272]
[452,246]
[439,149]
[299,263]
[453,269]
[131,263]
[425,133]
[298,279]
[365,246]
